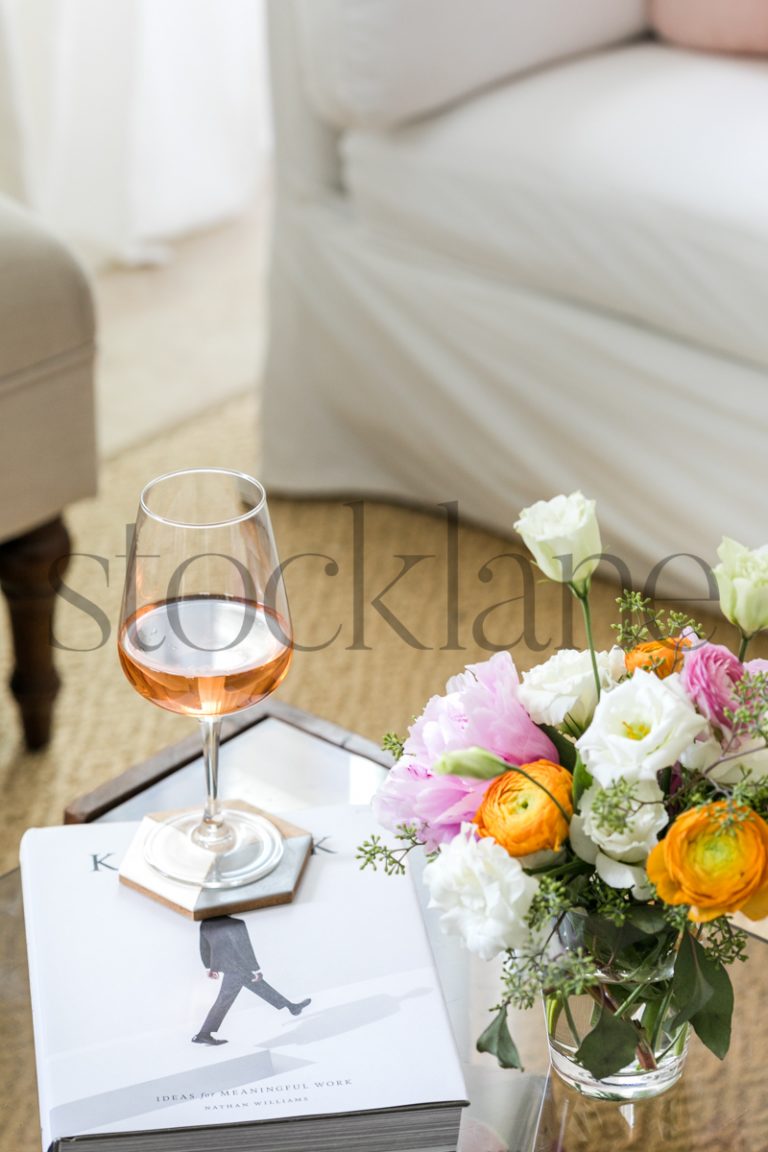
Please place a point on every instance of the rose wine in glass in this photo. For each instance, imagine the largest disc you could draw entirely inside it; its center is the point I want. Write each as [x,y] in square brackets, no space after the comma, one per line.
[205,632]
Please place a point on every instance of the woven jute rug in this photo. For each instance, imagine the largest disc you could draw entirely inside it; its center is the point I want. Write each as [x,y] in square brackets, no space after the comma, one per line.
[387,603]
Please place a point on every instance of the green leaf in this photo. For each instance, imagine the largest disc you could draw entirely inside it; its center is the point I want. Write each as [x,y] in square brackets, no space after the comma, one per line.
[650,921]
[497,1040]
[691,987]
[581,780]
[609,1046]
[712,1022]
[566,749]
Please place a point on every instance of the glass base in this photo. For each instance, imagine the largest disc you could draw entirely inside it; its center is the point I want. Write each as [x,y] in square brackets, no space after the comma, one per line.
[240,848]
[629,1084]
[651,1072]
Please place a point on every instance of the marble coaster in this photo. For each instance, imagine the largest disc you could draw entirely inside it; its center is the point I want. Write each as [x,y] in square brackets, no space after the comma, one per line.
[198,903]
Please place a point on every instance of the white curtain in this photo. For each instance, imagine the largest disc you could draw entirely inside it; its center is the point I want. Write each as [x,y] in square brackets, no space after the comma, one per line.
[135,120]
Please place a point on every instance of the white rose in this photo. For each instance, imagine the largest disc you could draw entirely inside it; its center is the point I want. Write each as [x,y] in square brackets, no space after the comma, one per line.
[564,537]
[483,892]
[564,686]
[641,726]
[742,577]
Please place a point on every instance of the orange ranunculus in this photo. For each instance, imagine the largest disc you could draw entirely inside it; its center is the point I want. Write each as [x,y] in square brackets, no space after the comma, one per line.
[528,809]
[660,656]
[714,858]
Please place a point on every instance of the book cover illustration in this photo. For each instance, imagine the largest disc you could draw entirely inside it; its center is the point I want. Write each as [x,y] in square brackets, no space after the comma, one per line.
[144,1020]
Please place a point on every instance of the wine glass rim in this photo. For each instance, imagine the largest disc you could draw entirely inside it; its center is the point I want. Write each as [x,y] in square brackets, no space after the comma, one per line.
[231,472]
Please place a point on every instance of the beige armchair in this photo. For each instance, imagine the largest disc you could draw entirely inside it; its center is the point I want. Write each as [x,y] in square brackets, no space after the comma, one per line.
[47,441]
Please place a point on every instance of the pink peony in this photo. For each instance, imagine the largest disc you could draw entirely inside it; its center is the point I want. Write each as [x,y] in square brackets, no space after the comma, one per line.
[481,709]
[708,676]
[438,730]
[437,805]
[496,718]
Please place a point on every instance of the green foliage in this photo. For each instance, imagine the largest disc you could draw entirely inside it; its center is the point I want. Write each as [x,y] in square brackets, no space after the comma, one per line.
[752,794]
[639,622]
[749,719]
[610,1045]
[551,899]
[566,749]
[676,915]
[569,973]
[724,942]
[497,1040]
[581,780]
[373,852]
[612,903]
[394,744]
[613,806]
[702,994]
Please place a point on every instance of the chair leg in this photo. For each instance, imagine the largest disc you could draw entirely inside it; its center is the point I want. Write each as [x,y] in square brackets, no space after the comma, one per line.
[31,567]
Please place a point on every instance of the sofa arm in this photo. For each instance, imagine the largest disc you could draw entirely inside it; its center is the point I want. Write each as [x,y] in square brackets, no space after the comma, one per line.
[376,63]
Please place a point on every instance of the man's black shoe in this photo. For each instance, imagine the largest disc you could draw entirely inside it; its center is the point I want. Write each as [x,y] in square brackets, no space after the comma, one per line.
[206,1038]
[297,1009]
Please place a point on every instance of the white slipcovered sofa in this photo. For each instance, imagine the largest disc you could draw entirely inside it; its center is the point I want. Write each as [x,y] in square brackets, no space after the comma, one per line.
[520,249]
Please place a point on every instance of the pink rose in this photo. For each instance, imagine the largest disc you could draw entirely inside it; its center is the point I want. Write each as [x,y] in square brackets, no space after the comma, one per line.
[708,676]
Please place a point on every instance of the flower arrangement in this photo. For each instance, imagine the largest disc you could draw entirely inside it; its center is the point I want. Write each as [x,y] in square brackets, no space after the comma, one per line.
[597,821]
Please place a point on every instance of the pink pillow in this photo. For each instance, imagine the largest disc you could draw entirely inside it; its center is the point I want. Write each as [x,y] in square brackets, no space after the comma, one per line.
[714,25]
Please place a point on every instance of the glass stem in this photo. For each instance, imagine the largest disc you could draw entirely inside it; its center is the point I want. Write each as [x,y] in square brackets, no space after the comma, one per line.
[212,832]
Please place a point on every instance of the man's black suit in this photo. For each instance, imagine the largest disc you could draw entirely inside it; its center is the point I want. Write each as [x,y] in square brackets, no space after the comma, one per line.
[225,947]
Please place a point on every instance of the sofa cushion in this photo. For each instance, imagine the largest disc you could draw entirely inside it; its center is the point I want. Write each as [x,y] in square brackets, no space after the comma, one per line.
[633,181]
[381,62]
[735,26]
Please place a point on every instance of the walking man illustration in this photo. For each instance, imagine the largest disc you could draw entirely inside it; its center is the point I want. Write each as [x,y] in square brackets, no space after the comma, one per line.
[226,951]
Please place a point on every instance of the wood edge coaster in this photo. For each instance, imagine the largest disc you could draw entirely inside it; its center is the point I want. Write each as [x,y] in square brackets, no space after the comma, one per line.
[197,903]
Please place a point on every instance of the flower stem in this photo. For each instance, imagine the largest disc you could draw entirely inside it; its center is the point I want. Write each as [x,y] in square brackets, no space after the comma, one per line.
[743,646]
[643,1050]
[583,598]
[571,1022]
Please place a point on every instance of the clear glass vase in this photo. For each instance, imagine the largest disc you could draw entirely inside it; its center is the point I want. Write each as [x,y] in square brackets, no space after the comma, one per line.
[632,966]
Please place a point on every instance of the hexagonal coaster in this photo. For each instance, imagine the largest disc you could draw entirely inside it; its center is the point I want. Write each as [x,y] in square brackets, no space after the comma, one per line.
[278,887]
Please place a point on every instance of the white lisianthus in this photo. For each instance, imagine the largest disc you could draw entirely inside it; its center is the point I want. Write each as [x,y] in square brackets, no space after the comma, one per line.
[483,892]
[564,686]
[564,537]
[742,578]
[641,726]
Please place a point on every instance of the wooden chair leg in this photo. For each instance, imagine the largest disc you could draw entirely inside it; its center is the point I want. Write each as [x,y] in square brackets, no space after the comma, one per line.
[31,567]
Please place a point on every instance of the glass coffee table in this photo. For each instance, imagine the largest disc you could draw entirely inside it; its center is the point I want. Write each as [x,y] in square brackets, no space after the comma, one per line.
[284,760]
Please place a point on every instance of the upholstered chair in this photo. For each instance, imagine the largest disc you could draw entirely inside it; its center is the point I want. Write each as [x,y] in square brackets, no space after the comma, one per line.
[47,442]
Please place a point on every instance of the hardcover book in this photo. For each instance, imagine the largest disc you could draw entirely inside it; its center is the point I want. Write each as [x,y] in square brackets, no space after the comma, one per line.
[315,1025]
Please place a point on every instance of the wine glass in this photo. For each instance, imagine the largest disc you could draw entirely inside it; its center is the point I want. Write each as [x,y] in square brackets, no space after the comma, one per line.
[205,631]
